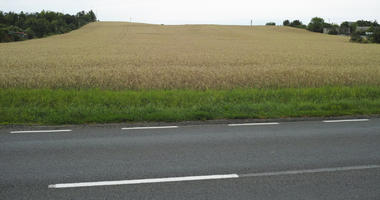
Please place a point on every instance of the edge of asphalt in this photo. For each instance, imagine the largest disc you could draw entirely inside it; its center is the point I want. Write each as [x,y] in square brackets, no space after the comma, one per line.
[194,123]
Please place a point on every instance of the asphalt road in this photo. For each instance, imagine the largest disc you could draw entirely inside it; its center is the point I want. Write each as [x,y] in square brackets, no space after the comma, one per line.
[289,160]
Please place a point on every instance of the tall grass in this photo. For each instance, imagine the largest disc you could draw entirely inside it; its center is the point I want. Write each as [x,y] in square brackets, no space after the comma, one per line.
[47,106]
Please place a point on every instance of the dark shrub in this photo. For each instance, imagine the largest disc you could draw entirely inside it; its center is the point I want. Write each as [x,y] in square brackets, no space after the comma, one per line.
[333,32]
[356,37]
[375,37]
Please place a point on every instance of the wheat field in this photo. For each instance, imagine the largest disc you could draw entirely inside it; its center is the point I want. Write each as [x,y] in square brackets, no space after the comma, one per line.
[121,55]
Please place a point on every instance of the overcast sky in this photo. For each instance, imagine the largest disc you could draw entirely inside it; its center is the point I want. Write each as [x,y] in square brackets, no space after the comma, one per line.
[238,12]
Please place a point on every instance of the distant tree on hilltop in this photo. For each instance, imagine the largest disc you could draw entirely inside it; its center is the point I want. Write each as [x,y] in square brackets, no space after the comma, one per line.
[22,26]
[286,23]
[294,23]
[316,25]
[364,23]
[92,16]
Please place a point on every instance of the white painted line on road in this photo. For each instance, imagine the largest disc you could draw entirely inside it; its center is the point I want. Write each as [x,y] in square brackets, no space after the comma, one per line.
[346,120]
[141,181]
[42,131]
[210,177]
[152,127]
[309,171]
[255,124]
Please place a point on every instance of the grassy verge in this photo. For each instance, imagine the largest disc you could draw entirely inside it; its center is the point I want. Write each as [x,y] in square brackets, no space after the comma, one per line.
[46,106]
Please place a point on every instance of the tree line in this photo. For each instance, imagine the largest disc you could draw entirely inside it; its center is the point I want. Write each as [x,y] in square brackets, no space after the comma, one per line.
[23,26]
[360,31]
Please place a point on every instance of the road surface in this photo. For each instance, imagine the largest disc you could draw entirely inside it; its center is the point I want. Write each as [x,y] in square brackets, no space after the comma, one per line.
[285,160]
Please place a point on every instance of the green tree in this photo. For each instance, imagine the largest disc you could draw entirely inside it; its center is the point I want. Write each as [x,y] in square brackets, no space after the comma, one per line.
[286,23]
[92,16]
[2,18]
[316,25]
[375,37]
[41,27]
[345,28]
[364,23]
[270,24]
[40,24]
[10,18]
[295,23]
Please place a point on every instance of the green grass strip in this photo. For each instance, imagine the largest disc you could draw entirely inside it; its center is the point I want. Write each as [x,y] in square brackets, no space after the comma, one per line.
[48,106]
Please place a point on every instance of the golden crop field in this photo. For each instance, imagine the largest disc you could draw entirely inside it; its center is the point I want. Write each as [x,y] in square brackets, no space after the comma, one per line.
[120,55]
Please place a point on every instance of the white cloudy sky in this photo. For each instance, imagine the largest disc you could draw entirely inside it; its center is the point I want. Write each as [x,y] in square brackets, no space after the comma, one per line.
[207,11]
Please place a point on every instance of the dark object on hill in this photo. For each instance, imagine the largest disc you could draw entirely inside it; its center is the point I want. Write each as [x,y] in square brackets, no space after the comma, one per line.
[22,26]
[333,32]
[286,23]
[295,24]
[375,36]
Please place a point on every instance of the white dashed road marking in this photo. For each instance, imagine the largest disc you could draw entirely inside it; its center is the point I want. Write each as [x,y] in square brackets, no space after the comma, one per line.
[140,181]
[152,127]
[210,177]
[255,124]
[42,131]
[346,120]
